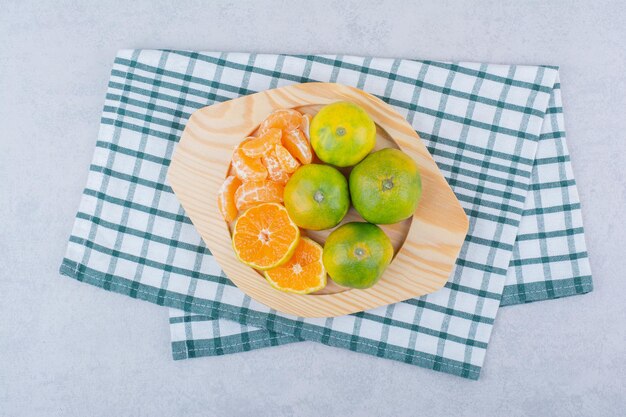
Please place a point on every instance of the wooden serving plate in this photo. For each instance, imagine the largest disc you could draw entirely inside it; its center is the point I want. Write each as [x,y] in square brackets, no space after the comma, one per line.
[426,245]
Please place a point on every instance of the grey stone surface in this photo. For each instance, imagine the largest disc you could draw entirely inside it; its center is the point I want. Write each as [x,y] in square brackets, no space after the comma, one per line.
[70,349]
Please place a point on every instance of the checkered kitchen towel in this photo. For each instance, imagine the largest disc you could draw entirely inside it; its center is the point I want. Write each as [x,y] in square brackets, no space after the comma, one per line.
[496,132]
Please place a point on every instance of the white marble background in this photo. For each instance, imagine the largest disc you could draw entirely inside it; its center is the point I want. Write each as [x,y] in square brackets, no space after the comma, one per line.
[69,349]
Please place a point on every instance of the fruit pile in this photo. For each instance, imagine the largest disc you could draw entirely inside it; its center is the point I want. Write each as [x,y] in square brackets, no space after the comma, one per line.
[276,192]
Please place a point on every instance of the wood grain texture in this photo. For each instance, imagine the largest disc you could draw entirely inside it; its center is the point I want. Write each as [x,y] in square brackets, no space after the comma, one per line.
[426,245]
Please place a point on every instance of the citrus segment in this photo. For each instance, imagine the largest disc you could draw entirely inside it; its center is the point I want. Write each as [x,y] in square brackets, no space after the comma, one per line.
[226,198]
[298,145]
[257,147]
[246,168]
[287,162]
[303,273]
[284,119]
[274,169]
[251,193]
[305,125]
[264,236]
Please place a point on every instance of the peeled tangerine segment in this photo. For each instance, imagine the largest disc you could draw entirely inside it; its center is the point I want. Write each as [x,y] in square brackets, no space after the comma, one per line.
[305,125]
[274,168]
[251,193]
[303,273]
[287,162]
[264,236]
[298,145]
[246,168]
[226,198]
[257,147]
[283,119]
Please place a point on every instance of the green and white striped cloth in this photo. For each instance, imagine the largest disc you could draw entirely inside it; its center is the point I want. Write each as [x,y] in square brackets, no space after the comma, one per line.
[496,132]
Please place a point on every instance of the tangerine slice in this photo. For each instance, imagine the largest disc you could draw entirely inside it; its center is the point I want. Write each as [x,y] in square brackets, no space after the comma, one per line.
[284,119]
[298,145]
[264,236]
[226,198]
[246,168]
[274,168]
[305,125]
[257,147]
[287,162]
[251,193]
[303,273]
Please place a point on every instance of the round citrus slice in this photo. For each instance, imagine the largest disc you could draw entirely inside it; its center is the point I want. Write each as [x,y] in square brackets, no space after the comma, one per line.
[226,198]
[284,119]
[303,273]
[298,145]
[264,236]
[251,193]
[287,162]
[257,147]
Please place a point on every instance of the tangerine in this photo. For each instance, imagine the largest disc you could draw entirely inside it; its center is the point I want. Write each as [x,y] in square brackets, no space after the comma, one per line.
[342,134]
[386,186]
[356,254]
[317,197]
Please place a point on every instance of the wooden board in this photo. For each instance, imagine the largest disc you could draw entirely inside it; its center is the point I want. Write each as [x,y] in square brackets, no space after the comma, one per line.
[427,245]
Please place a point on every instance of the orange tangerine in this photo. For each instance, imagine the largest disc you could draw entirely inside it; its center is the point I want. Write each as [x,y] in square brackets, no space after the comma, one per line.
[284,119]
[251,193]
[264,236]
[303,273]
[226,198]
[257,147]
[298,145]
[342,134]
[246,168]
[287,162]
[274,168]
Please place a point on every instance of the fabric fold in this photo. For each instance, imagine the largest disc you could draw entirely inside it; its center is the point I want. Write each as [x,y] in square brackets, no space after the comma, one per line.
[495,131]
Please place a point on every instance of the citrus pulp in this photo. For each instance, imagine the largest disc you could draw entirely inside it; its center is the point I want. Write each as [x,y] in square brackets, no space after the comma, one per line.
[303,273]
[264,236]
